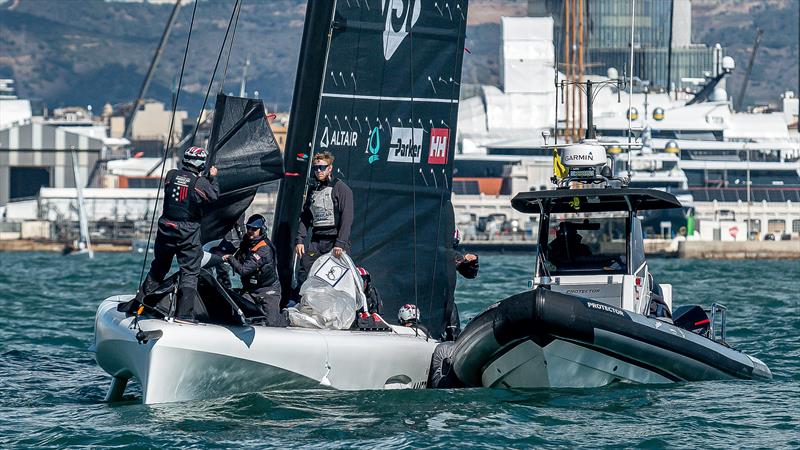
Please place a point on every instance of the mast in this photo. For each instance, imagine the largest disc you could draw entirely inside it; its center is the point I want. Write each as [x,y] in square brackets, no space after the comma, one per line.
[150,70]
[567,70]
[669,47]
[299,137]
[630,85]
[581,69]
[84,222]
[243,86]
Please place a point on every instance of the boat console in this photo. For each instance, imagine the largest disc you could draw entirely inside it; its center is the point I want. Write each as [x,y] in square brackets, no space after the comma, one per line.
[590,235]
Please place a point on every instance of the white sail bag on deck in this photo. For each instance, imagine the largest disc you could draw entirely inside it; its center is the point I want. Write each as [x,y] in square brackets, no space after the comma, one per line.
[330,296]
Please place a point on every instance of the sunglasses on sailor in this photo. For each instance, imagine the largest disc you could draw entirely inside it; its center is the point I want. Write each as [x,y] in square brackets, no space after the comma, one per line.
[319,167]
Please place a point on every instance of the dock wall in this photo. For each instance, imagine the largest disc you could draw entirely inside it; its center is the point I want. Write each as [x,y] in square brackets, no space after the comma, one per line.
[739,250]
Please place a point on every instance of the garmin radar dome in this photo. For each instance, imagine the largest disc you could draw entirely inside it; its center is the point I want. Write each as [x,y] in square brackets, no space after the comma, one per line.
[586,154]
[584,161]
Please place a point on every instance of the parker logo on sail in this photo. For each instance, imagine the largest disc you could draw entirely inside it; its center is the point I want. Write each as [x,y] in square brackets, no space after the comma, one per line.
[338,138]
[401,15]
[440,137]
[406,145]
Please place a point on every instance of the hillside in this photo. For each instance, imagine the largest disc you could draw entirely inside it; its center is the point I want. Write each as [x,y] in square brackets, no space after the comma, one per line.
[733,24]
[69,52]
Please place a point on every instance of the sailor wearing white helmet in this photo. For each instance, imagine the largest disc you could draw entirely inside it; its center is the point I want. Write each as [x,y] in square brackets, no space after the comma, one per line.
[186,191]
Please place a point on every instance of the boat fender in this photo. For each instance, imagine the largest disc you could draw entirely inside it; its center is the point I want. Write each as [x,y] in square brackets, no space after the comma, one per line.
[441,373]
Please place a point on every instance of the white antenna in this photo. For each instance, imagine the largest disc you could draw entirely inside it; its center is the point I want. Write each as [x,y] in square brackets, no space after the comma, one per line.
[630,86]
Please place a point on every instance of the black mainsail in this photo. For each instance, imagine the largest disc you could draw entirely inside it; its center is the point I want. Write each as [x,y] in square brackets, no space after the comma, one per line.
[387,110]
[243,148]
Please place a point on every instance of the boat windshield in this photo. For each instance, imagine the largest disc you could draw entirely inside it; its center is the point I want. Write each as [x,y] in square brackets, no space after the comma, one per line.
[579,245]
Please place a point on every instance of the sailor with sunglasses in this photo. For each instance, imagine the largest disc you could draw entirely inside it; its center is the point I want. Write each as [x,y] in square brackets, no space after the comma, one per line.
[328,213]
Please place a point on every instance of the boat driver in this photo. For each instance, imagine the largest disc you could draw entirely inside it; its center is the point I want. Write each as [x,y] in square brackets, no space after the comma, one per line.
[186,191]
[567,246]
[328,213]
[255,264]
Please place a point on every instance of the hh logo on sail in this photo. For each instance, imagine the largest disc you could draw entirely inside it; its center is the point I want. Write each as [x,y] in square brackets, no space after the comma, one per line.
[440,137]
[406,145]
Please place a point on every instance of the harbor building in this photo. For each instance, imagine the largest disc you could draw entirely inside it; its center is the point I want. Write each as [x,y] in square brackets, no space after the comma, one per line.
[149,131]
[606,31]
[737,174]
[36,155]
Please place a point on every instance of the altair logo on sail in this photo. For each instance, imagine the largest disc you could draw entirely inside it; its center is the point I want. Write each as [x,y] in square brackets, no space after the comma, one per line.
[339,138]
[401,15]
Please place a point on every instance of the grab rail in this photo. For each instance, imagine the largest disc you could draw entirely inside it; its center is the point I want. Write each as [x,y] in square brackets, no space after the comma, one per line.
[718,310]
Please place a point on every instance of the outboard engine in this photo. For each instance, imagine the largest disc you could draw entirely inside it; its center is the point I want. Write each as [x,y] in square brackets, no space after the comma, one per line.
[692,318]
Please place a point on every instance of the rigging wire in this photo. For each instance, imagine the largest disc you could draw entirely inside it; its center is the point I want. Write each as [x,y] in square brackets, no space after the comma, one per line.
[630,87]
[216,66]
[230,48]
[413,174]
[169,142]
[461,31]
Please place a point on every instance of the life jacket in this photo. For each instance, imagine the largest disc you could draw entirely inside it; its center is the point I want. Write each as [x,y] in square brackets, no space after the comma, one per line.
[179,198]
[322,208]
[263,277]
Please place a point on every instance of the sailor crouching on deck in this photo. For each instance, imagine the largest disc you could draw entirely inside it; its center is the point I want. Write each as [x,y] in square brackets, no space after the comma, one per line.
[186,191]
[328,212]
[255,264]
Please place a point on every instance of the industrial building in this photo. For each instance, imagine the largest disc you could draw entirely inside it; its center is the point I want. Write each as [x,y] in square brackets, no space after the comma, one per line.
[35,155]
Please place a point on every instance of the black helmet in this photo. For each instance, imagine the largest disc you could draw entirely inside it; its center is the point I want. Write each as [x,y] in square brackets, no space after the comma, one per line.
[364,274]
[258,221]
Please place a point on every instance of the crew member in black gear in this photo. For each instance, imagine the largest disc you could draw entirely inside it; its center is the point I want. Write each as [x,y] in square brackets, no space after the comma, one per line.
[328,212]
[255,264]
[186,191]
[216,263]
[374,301]
[467,265]
[227,246]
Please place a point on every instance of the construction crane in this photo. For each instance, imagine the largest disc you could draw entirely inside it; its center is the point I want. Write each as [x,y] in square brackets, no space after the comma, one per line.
[740,99]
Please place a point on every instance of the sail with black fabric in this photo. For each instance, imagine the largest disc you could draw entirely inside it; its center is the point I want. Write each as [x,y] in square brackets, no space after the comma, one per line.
[243,148]
[403,213]
[387,111]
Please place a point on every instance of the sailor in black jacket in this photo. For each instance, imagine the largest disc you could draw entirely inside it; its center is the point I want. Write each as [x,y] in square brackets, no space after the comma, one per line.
[328,212]
[255,264]
[186,191]
[466,264]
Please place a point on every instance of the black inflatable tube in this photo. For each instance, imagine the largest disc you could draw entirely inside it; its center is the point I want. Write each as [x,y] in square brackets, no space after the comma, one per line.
[542,315]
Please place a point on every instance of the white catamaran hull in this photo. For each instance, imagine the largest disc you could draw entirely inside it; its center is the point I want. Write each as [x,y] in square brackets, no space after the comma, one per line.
[186,361]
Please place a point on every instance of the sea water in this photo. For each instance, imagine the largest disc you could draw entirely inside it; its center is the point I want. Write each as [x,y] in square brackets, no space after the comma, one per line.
[51,390]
